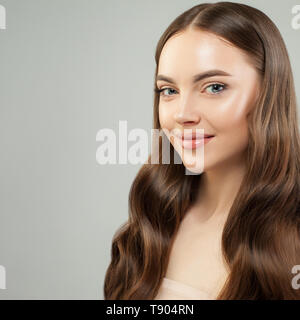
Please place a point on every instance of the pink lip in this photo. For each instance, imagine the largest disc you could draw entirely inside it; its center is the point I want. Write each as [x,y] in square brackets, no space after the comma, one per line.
[194,143]
[194,135]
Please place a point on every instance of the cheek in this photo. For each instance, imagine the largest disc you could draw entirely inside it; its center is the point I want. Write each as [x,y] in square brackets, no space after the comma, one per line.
[232,132]
[230,124]
[165,117]
[230,116]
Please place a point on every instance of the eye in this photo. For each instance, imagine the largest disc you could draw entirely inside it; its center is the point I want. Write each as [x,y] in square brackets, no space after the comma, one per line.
[215,87]
[160,91]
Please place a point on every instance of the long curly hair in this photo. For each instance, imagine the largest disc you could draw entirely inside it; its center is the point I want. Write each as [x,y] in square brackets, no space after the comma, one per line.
[261,236]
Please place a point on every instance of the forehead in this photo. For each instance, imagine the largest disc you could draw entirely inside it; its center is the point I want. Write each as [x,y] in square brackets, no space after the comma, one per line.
[195,51]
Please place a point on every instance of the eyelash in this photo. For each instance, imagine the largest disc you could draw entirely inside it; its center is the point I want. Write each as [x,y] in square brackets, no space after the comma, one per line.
[224,86]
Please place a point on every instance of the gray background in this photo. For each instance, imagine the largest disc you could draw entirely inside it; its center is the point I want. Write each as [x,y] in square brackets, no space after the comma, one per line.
[69,68]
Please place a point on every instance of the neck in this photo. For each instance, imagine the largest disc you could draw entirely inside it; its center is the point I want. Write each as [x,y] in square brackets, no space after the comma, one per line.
[218,189]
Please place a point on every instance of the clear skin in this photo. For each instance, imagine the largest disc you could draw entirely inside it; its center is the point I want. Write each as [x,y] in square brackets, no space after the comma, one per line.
[196,258]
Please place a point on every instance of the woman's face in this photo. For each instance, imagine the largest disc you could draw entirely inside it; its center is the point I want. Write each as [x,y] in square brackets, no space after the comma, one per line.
[218,104]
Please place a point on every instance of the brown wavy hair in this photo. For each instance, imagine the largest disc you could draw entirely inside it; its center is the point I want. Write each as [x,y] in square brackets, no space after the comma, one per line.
[261,236]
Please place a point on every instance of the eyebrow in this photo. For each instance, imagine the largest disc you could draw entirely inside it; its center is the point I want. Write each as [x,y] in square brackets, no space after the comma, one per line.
[197,77]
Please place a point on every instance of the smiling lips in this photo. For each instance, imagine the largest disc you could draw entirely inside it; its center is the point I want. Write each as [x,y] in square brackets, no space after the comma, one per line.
[194,140]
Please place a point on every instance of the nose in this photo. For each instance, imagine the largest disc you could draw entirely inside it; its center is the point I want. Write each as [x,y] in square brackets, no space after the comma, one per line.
[186,114]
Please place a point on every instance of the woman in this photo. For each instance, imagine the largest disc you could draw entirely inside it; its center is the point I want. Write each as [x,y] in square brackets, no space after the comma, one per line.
[231,231]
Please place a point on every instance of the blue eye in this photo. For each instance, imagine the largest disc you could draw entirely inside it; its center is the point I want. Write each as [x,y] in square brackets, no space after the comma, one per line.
[162,90]
[215,86]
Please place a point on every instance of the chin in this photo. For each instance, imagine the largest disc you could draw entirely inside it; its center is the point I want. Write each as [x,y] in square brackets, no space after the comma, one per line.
[193,168]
